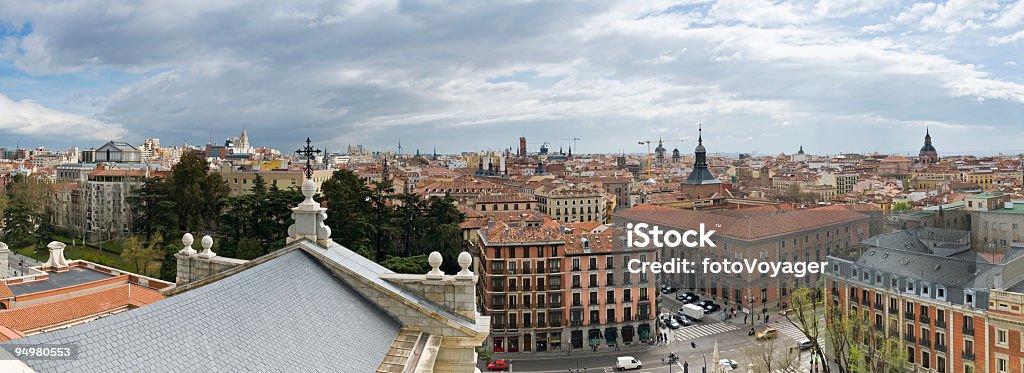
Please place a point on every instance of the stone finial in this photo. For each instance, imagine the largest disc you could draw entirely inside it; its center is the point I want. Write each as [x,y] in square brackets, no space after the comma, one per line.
[56,255]
[465,260]
[308,190]
[186,242]
[207,244]
[435,260]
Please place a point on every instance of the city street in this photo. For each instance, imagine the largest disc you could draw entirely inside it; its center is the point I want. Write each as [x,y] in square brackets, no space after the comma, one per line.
[18,263]
[731,336]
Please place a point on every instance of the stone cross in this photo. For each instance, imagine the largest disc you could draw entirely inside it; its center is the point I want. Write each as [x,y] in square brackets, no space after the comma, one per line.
[310,154]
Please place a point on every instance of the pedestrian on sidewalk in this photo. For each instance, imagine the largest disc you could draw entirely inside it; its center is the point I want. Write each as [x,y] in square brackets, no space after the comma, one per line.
[745,316]
[766,318]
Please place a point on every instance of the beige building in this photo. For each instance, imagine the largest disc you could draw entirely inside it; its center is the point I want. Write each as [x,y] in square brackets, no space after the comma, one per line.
[240,181]
[995,221]
[572,203]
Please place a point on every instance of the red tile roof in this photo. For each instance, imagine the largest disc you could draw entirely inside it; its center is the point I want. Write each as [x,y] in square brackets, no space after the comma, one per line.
[5,292]
[40,315]
[743,224]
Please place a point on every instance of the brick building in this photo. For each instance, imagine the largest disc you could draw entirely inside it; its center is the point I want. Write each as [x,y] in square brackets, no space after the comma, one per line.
[764,234]
[550,287]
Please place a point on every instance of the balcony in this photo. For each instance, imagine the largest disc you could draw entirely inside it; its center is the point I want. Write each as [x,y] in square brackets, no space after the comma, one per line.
[908,315]
[644,316]
[575,268]
[540,288]
[577,304]
[497,289]
[527,324]
[925,342]
[910,339]
[512,288]
[498,306]
[644,299]
[527,271]
[925,319]
[554,269]
[968,355]
[555,286]
[893,310]
[575,285]
[556,324]
[969,329]
[527,288]
[610,301]
[627,299]
[866,302]
[879,306]
[940,323]
[498,327]
[554,304]
[540,269]
[576,322]
[940,347]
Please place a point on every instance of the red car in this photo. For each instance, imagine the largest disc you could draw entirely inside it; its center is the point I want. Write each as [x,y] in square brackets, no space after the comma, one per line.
[498,365]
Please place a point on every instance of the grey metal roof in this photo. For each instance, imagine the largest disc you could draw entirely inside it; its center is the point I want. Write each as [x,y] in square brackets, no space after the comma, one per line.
[288,314]
[57,280]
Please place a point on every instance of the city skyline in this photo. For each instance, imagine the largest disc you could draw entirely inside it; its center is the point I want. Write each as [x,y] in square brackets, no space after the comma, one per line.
[833,76]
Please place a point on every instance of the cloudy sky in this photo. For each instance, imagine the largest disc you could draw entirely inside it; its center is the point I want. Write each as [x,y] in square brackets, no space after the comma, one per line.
[762,75]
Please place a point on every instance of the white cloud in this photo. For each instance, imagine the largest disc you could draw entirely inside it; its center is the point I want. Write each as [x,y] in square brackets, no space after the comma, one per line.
[1013,16]
[952,16]
[1007,39]
[758,12]
[28,118]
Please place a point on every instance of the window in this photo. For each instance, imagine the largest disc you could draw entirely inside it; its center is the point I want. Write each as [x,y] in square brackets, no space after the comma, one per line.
[940,293]
[1001,365]
[1002,339]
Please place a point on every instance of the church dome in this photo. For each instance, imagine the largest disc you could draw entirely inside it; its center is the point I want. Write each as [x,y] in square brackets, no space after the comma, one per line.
[928,148]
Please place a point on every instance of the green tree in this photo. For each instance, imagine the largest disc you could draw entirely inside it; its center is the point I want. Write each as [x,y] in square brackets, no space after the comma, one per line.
[901,206]
[140,255]
[348,198]
[249,248]
[157,213]
[412,264]
[19,223]
[198,194]
[169,264]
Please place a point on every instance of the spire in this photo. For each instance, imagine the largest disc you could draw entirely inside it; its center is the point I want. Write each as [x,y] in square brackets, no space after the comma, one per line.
[700,133]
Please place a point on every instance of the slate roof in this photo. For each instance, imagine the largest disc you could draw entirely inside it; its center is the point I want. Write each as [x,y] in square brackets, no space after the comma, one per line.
[288,314]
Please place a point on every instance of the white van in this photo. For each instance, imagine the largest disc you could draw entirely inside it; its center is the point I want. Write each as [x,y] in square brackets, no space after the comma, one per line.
[804,344]
[627,362]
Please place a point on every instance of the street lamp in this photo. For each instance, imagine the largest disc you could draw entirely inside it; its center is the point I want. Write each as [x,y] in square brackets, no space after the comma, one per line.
[705,368]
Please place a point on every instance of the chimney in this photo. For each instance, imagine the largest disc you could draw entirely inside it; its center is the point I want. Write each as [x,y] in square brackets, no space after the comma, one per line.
[56,260]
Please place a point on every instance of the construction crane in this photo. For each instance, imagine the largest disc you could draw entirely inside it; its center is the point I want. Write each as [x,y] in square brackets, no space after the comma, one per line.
[574,140]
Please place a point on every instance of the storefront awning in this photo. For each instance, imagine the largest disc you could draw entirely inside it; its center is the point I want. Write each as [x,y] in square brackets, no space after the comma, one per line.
[645,331]
[611,335]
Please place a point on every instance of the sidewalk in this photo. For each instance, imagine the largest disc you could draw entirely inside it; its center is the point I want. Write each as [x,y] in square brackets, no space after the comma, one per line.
[602,351]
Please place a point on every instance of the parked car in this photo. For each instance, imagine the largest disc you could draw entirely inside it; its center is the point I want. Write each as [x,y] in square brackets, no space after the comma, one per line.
[672,323]
[728,364]
[705,303]
[681,297]
[669,289]
[627,362]
[712,308]
[499,365]
[683,320]
[768,333]
[804,344]
[690,298]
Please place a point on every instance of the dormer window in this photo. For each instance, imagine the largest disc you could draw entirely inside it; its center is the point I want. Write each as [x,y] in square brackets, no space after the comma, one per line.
[940,293]
[910,286]
[969,298]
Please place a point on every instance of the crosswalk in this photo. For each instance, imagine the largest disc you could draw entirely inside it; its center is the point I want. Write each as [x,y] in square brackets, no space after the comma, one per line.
[788,329]
[702,330]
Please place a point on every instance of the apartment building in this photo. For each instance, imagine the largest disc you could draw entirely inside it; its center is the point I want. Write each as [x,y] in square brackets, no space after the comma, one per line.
[572,203]
[763,234]
[550,287]
[926,290]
